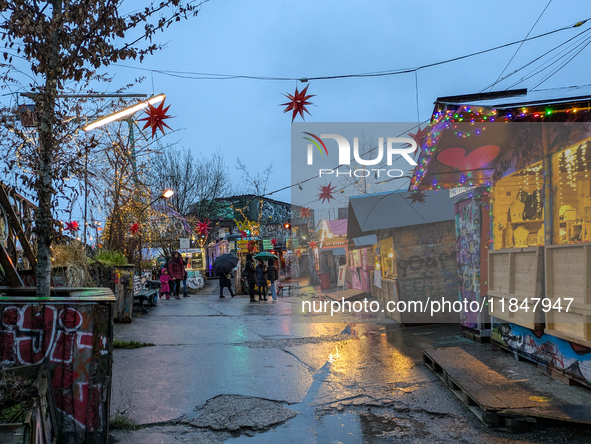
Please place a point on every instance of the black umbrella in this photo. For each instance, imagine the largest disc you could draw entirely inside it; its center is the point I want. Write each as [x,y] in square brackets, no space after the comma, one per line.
[224,263]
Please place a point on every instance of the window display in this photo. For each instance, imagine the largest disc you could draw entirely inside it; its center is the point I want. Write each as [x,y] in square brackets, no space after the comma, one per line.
[518,209]
[387,262]
[572,213]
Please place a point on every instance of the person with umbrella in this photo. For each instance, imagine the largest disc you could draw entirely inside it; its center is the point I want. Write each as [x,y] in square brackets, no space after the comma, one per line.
[223,266]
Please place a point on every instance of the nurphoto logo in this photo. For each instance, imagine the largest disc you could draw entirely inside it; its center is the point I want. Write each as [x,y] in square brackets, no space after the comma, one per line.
[395,146]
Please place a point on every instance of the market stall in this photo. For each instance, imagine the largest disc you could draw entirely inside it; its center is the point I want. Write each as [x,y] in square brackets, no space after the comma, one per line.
[529,154]
[414,255]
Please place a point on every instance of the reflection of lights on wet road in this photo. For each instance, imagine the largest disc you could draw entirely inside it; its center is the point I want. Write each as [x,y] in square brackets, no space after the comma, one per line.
[334,356]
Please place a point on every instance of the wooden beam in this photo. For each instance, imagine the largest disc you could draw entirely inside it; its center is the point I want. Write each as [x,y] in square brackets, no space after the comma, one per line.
[16,226]
[9,268]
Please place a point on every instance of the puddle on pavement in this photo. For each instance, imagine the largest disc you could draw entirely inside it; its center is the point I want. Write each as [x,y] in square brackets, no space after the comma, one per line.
[339,428]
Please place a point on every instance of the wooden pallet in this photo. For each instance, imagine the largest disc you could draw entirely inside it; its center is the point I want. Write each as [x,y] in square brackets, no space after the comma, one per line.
[494,399]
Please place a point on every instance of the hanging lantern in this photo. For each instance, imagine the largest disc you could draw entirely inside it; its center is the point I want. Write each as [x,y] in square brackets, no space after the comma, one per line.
[134,228]
[156,117]
[72,227]
[297,103]
[326,192]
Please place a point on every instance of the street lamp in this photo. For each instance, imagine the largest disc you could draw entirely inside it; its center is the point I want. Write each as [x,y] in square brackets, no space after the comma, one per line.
[165,195]
[124,112]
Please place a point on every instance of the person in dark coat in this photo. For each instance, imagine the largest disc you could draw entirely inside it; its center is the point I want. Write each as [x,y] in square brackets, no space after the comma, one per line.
[273,275]
[262,280]
[251,278]
[176,269]
[226,282]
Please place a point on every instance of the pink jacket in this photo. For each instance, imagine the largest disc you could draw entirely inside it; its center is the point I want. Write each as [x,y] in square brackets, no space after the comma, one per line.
[165,287]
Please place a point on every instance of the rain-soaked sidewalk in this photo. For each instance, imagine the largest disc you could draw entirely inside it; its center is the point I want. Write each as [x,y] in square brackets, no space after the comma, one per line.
[227,370]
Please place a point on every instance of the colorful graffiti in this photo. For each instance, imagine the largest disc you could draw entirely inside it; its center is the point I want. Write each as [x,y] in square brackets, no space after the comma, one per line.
[468,227]
[571,358]
[426,261]
[74,342]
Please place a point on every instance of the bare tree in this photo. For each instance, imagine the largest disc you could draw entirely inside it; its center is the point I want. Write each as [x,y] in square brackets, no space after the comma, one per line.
[63,42]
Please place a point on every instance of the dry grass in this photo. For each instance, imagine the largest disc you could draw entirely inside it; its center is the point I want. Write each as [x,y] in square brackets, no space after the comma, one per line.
[72,258]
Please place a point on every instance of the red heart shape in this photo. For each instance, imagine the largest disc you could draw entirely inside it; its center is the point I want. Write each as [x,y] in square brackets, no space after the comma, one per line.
[457,158]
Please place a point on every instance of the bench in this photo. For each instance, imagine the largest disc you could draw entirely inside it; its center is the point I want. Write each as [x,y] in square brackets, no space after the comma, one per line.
[145,291]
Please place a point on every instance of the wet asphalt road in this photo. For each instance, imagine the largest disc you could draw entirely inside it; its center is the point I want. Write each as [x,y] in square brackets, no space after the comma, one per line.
[227,370]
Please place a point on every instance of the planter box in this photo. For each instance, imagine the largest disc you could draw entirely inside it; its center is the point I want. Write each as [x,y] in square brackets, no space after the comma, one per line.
[72,333]
[516,273]
[118,278]
[568,269]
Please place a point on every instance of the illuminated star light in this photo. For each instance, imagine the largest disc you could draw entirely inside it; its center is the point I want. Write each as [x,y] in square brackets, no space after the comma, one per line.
[297,103]
[326,192]
[71,226]
[134,228]
[156,117]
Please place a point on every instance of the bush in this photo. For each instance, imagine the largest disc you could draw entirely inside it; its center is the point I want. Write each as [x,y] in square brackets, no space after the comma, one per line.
[107,257]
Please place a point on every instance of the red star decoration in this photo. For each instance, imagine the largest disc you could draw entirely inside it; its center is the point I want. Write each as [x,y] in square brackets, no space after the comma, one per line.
[274,242]
[203,227]
[312,244]
[305,213]
[326,192]
[134,228]
[298,253]
[156,117]
[417,196]
[243,234]
[297,103]
[71,226]
[420,135]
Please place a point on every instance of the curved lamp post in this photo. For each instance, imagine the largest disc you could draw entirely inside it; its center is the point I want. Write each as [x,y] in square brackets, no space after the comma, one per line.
[165,195]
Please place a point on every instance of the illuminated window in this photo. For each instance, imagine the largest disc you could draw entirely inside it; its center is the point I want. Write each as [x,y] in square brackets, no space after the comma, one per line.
[518,209]
[572,197]
[387,255]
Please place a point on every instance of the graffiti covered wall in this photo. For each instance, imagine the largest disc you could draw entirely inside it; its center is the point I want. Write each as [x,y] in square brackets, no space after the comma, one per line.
[75,340]
[468,229]
[426,261]
[572,359]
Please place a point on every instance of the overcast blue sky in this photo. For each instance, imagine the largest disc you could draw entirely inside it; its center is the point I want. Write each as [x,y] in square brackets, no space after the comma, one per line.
[309,38]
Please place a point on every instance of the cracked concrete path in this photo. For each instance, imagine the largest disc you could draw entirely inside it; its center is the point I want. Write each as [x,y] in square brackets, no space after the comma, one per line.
[227,370]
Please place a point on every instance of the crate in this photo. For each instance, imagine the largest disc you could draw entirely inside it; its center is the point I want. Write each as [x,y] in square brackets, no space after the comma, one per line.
[568,269]
[517,273]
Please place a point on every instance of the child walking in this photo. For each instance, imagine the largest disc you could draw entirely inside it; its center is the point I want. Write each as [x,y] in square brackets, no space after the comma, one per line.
[165,286]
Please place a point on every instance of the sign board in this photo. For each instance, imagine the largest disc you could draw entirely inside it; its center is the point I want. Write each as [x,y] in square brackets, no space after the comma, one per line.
[267,244]
[296,243]
[184,243]
[457,191]
[223,232]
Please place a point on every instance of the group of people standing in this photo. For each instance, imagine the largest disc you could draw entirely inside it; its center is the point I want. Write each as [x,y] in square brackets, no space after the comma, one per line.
[257,277]
[173,276]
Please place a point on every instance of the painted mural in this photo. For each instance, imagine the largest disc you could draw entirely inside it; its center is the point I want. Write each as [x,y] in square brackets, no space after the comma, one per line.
[468,228]
[74,341]
[572,359]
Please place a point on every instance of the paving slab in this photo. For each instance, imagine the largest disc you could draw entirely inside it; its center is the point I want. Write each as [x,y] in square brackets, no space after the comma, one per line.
[175,379]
